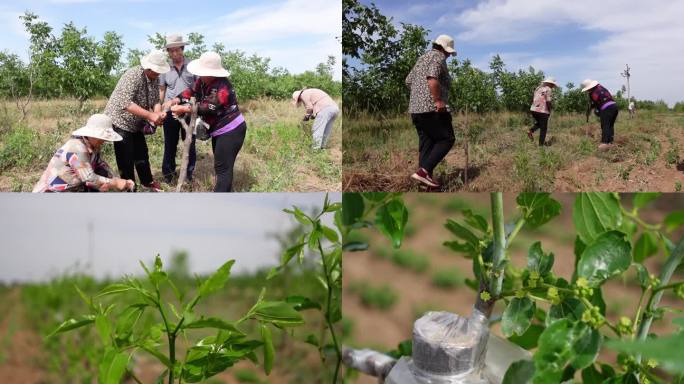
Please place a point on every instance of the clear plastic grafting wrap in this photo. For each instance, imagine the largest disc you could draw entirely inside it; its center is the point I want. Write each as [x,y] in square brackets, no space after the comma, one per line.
[449,349]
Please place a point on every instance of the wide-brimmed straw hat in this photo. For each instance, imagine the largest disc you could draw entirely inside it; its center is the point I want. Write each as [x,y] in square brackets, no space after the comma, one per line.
[156,61]
[588,84]
[208,64]
[550,80]
[446,42]
[175,40]
[295,96]
[98,126]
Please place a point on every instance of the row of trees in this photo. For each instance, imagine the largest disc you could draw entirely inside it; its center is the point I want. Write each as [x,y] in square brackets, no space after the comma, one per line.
[377,57]
[73,64]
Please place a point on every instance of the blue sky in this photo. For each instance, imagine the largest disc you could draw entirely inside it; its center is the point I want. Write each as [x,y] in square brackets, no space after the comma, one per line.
[295,34]
[46,235]
[570,40]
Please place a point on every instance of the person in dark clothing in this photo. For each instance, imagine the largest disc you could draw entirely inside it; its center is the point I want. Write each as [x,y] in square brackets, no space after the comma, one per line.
[218,107]
[429,82]
[602,101]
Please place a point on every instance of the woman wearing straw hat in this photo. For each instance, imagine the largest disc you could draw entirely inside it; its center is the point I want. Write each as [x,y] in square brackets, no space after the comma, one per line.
[320,106]
[218,107]
[78,165]
[134,107]
[541,108]
[601,100]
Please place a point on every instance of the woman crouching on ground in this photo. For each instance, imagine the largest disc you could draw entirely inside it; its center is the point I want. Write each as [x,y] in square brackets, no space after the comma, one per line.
[218,107]
[78,165]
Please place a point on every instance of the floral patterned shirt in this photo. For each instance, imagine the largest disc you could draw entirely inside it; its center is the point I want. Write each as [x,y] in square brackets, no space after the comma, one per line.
[599,96]
[74,167]
[133,87]
[542,95]
[431,64]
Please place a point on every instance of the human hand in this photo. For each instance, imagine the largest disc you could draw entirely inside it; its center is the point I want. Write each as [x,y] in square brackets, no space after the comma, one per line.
[156,118]
[440,105]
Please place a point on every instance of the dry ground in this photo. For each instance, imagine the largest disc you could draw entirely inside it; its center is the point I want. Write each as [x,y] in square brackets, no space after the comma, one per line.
[380,152]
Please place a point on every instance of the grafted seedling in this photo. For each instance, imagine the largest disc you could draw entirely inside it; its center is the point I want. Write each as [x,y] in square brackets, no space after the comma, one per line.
[123,334]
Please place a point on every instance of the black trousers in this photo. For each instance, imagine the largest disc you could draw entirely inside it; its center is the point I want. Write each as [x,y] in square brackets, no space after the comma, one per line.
[131,154]
[541,123]
[435,138]
[226,148]
[172,131]
[608,117]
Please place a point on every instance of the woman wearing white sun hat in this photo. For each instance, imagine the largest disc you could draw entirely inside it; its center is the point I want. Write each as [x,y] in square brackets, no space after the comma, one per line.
[78,165]
[541,108]
[320,106]
[601,100]
[218,107]
[133,105]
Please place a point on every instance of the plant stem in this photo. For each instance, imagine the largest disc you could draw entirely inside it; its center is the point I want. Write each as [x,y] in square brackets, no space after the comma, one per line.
[671,264]
[171,337]
[331,326]
[518,225]
[495,278]
[130,372]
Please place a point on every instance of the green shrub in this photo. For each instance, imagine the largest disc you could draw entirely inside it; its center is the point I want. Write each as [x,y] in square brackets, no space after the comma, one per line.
[383,297]
[411,260]
[447,278]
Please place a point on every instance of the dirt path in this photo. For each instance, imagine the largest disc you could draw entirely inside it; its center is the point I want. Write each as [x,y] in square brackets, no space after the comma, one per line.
[19,345]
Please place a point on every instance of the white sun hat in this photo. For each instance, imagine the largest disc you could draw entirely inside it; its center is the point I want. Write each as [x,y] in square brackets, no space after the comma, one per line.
[156,61]
[98,126]
[175,40]
[295,96]
[550,80]
[208,64]
[588,84]
[446,42]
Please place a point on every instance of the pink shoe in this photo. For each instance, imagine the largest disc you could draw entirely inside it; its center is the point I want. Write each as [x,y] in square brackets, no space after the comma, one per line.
[422,176]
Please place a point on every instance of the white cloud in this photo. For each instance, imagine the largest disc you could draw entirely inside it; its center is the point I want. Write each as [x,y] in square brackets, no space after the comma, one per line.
[644,34]
[317,21]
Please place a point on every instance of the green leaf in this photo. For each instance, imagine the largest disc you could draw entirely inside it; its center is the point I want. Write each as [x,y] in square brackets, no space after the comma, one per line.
[475,221]
[518,316]
[112,367]
[72,324]
[641,199]
[661,349]
[645,247]
[674,220]
[152,350]
[462,232]
[114,289]
[352,208]
[375,196]
[292,252]
[595,213]
[642,275]
[212,322]
[529,339]
[355,246]
[104,329]
[278,312]
[269,351]
[520,372]
[217,280]
[538,208]
[329,234]
[538,261]
[585,346]
[391,220]
[300,303]
[561,343]
[569,308]
[609,255]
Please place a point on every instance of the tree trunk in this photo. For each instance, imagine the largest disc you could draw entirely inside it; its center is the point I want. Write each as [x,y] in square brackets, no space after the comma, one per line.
[186,144]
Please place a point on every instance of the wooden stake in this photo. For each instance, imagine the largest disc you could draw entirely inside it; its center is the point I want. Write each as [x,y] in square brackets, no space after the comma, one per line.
[186,144]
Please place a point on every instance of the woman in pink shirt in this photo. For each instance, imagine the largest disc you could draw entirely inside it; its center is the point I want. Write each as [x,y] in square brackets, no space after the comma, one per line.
[320,106]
